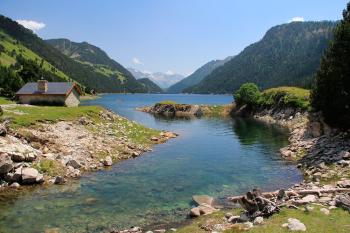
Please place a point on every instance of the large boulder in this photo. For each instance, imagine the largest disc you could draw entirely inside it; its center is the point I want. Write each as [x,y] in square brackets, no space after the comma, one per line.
[203,209]
[6,164]
[73,163]
[29,175]
[18,157]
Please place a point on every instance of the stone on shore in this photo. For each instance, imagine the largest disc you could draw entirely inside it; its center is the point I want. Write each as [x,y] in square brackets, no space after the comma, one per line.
[15,185]
[325,211]
[294,225]
[29,175]
[59,180]
[6,165]
[306,200]
[258,220]
[108,161]
[73,163]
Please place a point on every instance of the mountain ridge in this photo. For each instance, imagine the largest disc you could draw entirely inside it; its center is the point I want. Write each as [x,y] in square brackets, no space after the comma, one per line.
[288,54]
[164,80]
[84,74]
[197,76]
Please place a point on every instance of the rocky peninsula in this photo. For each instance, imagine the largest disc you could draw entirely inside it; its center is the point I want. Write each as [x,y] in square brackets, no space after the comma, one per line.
[54,144]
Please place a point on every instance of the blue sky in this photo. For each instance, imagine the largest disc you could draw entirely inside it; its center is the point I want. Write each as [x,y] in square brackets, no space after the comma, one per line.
[163,35]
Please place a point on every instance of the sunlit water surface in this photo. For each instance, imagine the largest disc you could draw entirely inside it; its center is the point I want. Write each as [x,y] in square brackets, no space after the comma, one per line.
[218,157]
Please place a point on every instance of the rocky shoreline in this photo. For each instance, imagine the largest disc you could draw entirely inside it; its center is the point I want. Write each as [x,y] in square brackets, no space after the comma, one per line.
[323,155]
[53,153]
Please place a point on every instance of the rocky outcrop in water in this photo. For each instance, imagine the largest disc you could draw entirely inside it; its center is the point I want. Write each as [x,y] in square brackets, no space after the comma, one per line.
[174,110]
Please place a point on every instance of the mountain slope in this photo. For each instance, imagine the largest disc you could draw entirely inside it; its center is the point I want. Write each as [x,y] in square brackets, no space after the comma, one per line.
[150,86]
[86,52]
[288,54]
[164,80]
[85,74]
[197,76]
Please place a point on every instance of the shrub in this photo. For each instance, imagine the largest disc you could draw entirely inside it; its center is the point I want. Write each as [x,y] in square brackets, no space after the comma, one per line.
[286,97]
[248,93]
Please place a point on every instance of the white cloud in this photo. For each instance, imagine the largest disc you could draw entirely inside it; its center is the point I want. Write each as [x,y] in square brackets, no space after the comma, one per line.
[169,72]
[31,24]
[136,61]
[297,19]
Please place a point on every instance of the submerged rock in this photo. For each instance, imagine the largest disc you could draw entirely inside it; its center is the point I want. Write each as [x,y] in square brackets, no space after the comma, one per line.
[203,199]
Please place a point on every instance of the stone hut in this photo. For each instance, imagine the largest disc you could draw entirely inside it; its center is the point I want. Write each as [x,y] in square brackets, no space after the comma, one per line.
[50,93]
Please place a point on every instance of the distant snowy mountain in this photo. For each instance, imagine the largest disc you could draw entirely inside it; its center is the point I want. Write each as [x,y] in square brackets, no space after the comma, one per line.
[164,80]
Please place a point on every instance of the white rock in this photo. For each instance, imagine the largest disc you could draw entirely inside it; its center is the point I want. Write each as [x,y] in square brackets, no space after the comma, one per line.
[258,220]
[108,161]
[15,185]
[294,225]
[309,198]
[309,208]
[325,211]
[39,178]
[29,175]
[233,219]
[247,225]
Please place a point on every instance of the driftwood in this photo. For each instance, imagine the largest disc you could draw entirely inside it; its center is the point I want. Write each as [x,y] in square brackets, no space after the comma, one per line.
[4,128]
[276,194]
[257,205]
[266,204]
[343,201]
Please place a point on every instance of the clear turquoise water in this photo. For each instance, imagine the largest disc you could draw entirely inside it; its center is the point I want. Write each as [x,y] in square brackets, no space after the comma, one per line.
[218,157]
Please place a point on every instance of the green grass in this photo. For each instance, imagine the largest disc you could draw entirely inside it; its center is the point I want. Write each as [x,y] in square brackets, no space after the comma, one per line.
[137,133]
[105,70]
[215,110]
[315,221]
[10,44]
[26,116]
[286,97]
[167,102]
[50,167]
[4,101]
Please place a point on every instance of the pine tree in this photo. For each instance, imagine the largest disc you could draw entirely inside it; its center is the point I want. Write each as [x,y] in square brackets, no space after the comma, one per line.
[331,93]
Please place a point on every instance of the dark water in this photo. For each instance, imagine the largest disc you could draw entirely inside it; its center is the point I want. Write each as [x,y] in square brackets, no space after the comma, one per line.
[218,157]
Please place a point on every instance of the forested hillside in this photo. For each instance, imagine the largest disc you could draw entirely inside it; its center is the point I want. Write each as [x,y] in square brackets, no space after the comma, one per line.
[197,76]
[150,86]
[100,79]
[288,55]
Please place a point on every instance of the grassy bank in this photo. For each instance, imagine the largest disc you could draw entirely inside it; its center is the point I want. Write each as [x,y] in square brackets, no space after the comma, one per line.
[24,116]
[27,116]
[279,97]
[315,221]
[4,101]
[285,97]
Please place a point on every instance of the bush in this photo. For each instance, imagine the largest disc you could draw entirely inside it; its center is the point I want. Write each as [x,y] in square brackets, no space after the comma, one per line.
[286,97]
[249,94]
[331,93]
